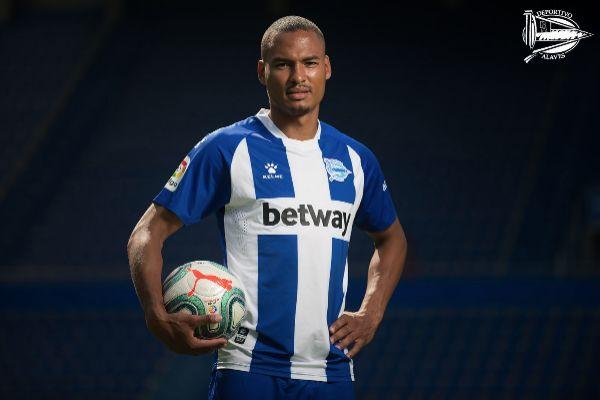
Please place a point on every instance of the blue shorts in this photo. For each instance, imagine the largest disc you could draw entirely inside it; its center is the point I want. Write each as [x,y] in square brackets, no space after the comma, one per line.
[228,384]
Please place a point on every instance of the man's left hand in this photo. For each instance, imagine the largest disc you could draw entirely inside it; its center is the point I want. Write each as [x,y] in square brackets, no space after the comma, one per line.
[353,328]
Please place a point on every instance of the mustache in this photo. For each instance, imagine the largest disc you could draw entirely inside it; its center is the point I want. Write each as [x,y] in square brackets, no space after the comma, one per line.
[299,88]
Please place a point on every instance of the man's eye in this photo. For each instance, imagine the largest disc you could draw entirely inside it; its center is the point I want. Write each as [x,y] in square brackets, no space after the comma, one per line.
[311,63]
[280,65]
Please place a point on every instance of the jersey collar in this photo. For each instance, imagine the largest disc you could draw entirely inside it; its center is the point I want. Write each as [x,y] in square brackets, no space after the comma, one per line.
[263,116]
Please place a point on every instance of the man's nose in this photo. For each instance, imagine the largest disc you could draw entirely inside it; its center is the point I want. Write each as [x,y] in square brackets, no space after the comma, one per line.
[298,73]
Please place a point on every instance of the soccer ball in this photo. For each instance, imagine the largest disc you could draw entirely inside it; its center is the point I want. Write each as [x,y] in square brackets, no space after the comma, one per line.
[205,287]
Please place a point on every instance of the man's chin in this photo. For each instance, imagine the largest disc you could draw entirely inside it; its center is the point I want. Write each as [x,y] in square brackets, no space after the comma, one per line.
[298,109]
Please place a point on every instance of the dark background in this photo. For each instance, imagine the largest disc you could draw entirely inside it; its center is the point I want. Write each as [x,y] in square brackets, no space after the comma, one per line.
[493,165]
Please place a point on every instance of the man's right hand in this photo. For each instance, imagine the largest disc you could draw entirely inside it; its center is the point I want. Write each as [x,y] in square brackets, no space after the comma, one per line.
[177,332]
[145,260]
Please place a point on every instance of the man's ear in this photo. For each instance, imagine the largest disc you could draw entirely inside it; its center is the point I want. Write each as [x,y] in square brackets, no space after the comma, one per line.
[260,70]
[327,67]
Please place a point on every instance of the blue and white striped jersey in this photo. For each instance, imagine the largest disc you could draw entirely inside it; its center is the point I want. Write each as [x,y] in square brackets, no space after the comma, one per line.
[285,209]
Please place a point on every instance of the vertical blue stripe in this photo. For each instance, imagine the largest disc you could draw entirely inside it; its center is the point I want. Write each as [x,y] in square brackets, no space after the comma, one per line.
[270,167]
[336,150]
[338,365]
[277,291]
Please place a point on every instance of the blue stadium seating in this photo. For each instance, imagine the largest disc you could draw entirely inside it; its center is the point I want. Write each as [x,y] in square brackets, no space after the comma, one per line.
[39,53]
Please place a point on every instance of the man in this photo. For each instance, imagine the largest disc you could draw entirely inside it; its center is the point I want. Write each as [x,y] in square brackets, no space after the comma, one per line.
[286,189]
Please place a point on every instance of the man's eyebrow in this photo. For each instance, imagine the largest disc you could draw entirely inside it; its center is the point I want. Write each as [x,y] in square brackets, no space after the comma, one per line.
[280,59]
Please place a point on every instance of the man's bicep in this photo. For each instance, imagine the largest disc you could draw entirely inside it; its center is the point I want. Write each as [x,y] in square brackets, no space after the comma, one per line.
[160,221]
[167,218]
[394,231]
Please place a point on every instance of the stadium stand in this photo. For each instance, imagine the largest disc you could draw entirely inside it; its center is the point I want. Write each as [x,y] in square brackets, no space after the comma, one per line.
[40,53]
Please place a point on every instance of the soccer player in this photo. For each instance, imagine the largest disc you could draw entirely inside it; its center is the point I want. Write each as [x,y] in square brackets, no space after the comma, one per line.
[287,189]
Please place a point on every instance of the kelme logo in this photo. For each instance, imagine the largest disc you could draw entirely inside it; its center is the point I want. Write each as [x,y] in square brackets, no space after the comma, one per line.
[271,168]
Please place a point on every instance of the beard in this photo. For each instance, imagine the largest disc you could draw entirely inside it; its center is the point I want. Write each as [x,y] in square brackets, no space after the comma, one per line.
[293,108]
[297,110]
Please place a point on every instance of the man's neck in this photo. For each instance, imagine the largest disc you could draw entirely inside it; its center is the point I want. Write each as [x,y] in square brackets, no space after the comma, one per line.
[303,127]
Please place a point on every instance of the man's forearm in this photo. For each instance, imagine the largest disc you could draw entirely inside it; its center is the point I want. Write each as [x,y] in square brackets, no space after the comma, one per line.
[384,273]
[145,262]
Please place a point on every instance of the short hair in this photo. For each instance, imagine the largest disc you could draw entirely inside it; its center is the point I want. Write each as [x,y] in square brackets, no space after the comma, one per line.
[291,23]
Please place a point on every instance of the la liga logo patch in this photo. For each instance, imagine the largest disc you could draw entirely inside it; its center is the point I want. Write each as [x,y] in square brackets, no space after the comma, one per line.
[174,180]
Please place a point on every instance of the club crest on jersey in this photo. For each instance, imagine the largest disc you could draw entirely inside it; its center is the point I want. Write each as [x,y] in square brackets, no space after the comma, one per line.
[271,168]
[336,170]
[174,180]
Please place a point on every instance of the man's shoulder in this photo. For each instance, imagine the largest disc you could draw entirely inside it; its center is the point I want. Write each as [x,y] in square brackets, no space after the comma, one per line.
[329,132]
[228,137]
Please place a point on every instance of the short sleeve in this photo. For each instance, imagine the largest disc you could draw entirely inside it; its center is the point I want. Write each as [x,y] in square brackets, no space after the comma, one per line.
[376,211]
[200,185]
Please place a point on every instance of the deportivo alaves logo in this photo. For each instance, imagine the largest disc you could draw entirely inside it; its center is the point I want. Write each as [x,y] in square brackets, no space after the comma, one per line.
[336,170]
[306,215]
[556,27]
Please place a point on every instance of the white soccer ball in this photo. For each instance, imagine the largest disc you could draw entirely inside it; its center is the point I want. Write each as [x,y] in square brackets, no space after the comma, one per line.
[202,288]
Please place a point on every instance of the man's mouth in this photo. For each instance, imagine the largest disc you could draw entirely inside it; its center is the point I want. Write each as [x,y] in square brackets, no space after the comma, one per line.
[297,93]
